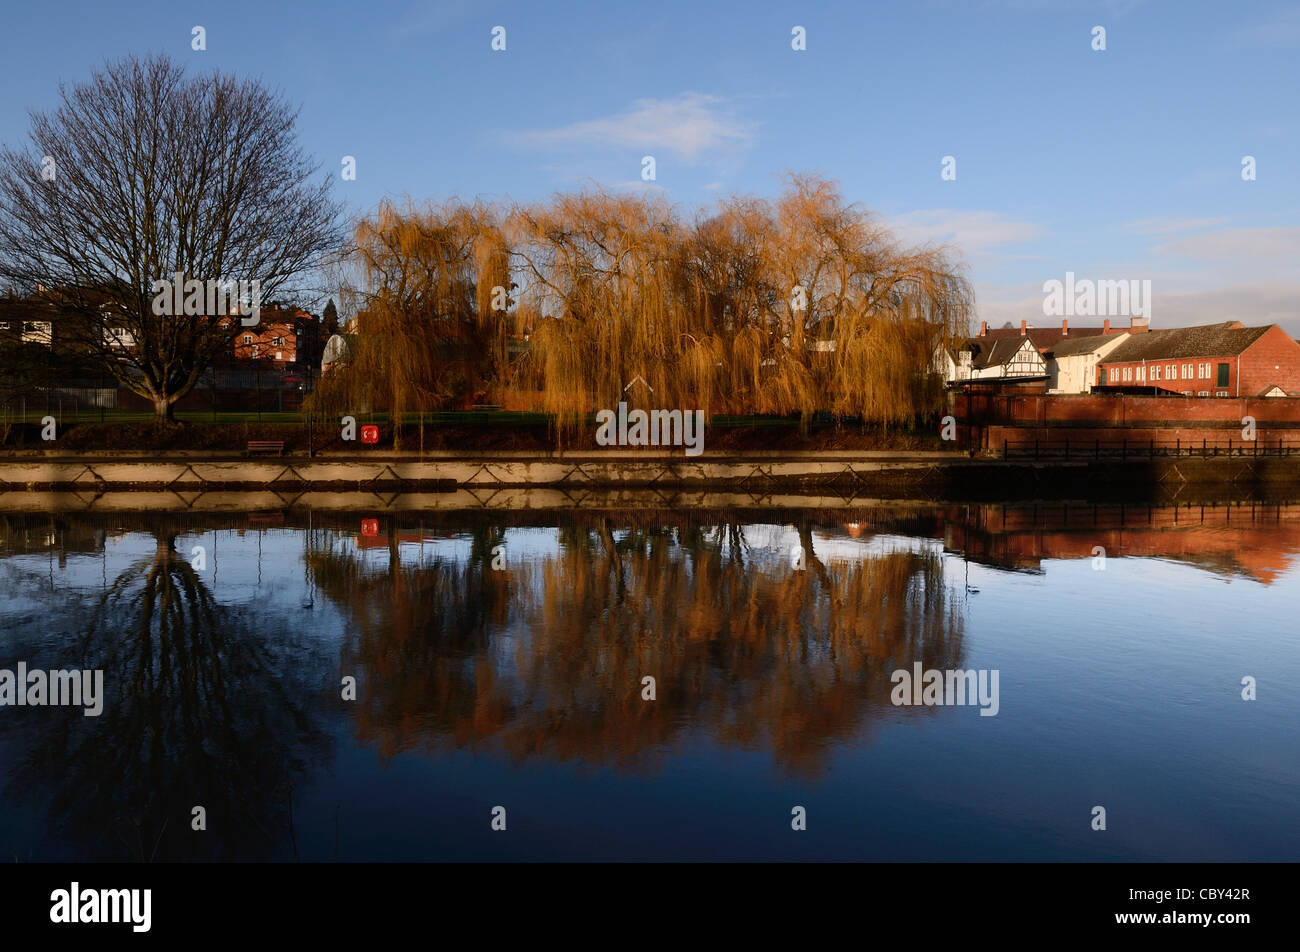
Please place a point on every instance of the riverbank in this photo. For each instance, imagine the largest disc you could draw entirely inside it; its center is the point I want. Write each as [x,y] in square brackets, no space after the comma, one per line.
[920,474]
[462,432]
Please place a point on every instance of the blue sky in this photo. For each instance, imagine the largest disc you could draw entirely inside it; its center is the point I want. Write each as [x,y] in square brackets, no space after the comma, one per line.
[1123,163]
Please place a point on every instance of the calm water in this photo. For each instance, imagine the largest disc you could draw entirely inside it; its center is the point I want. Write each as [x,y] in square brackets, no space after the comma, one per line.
[771,635]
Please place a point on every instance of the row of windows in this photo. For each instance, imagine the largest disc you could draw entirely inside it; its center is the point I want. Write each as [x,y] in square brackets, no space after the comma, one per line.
[279,354]
[1151,372]
[275,341]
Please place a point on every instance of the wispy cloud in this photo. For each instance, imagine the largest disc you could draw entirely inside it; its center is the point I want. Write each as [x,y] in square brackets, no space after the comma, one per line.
[1239,244]
[1166,227]
[687,127]
[970,232]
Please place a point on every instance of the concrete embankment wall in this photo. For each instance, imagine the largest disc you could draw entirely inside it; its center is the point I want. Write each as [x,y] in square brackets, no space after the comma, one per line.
[447,473]
[886,475]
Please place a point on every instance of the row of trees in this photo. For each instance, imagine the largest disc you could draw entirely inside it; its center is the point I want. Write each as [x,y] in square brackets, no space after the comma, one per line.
[795,305]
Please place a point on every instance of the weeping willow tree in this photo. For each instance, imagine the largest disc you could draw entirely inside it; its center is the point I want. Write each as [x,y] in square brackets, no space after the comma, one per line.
[427,332]
[792,306]
[601,268]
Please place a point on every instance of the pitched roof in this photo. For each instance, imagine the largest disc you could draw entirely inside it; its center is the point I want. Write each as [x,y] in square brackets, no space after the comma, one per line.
[1044,337]
[1074,346]
[996,353]
[1177,343]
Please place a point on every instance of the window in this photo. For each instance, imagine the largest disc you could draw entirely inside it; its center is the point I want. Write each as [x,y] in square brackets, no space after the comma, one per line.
[255,352]
[248,338]
[1155,371]
[40,332]
[1187,393]
[279,355]
[1202,393]
[1223,377]
[1141,373]
[1102,381]
[1171,372]
[1128,374]
[4,325]
[1221,393]
[277,341]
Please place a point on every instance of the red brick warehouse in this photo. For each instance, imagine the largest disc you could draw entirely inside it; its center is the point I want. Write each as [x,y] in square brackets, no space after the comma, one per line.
[1218,360]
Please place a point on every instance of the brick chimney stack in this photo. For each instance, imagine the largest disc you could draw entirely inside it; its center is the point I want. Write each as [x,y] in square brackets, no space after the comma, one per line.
[1065,327]
[1105,328]
[984,328]
[1023,325]
[1139,325]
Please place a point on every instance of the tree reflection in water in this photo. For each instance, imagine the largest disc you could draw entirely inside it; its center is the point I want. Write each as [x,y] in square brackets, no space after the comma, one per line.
[205,705]
[547,658]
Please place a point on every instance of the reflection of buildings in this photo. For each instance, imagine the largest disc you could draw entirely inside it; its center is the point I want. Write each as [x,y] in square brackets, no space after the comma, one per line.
[1256,541]
[27,533]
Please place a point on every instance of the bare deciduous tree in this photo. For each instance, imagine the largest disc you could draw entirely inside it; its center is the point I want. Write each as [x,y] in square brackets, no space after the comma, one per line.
[140,174]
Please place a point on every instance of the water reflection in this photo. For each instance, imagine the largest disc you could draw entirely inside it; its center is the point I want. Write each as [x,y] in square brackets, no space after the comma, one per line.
[491,648]
[206,705]
[547,658]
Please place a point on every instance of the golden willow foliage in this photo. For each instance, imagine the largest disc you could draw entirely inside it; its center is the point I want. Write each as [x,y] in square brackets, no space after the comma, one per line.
[707,313]
[613,286]
[426,332]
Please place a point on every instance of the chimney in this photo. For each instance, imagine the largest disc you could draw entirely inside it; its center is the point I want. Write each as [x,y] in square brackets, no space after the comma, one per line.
[1105,328]
[1023,325]
[1065,327]
[1139,325]
[984,328]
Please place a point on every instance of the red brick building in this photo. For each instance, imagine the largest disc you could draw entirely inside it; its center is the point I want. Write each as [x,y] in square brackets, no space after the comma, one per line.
[1216,360]
[280,339]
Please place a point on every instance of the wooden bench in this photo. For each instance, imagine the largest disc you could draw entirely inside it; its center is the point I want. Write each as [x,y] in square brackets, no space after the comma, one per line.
[265,446]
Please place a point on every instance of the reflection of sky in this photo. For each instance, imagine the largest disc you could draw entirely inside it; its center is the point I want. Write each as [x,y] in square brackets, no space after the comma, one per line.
[1118,687]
